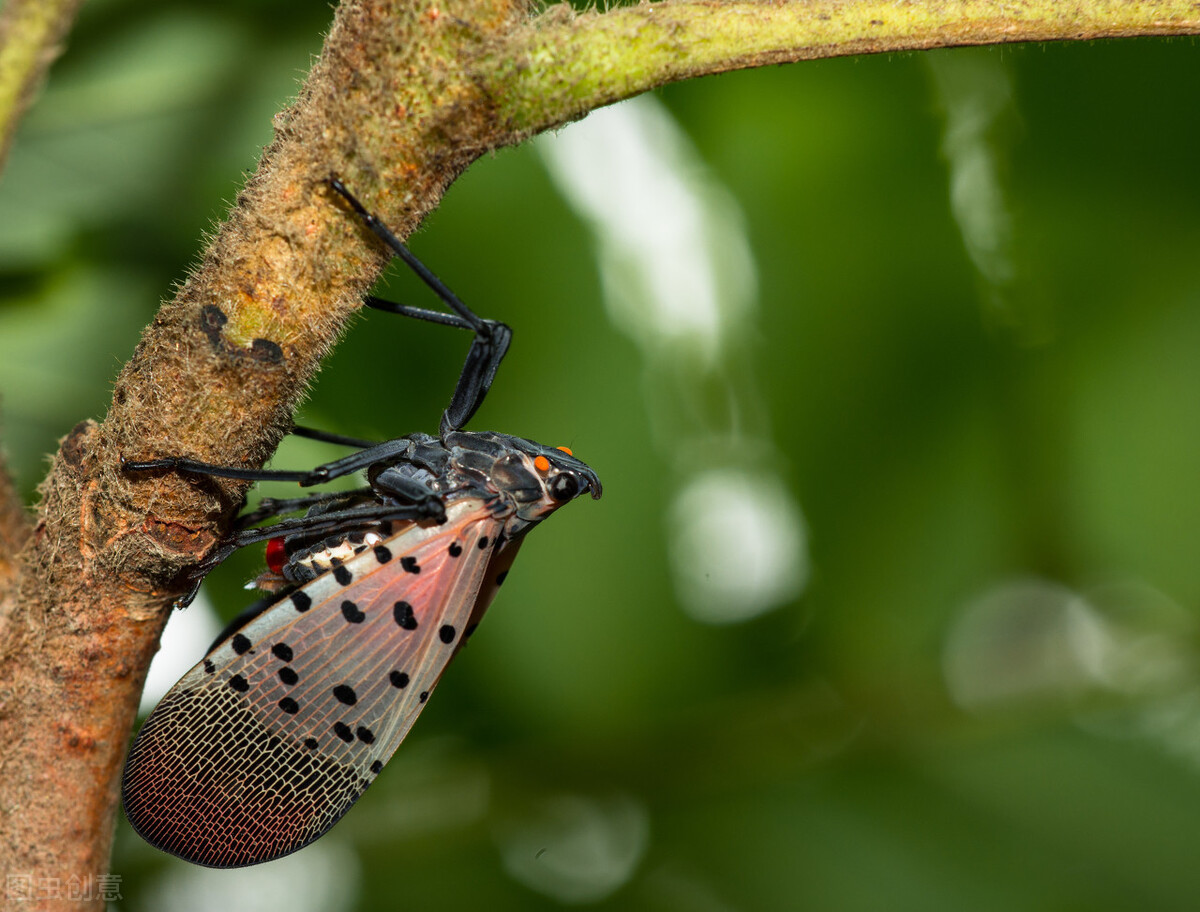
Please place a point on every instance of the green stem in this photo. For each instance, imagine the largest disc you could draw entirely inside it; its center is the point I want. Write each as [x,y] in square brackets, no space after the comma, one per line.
[565,65]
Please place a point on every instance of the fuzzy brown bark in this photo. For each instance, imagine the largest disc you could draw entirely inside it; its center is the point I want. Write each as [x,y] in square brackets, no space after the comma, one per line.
[404,97]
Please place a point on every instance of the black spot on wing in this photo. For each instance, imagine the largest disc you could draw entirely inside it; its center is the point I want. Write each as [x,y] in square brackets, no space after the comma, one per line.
[403,613]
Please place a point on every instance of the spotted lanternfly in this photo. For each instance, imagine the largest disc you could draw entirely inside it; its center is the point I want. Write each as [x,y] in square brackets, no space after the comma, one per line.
[263,746]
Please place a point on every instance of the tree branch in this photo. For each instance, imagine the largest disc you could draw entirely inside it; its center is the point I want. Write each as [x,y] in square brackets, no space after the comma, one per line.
[15,529]
[404,97]
[563,65]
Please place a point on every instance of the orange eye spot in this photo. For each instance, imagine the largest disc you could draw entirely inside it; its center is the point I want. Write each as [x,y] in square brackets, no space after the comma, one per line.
[566,450]
[542,464]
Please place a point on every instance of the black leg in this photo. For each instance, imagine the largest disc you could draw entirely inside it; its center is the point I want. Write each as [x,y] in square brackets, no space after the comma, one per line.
[270,507]
[349,520]
[195,467]
[327,472]
[492,337]
[329,437]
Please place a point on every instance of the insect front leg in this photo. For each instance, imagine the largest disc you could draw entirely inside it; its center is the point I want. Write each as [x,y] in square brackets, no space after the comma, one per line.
[488,348]
[492,338]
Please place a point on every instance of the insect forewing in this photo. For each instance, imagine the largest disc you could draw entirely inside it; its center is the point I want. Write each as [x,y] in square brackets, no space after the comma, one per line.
[265,744]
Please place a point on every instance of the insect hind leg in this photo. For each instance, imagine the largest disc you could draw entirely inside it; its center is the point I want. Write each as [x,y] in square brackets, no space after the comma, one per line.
[492,338]
[270,507]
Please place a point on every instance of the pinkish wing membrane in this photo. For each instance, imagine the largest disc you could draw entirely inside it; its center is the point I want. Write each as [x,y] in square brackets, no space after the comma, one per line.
[266,743]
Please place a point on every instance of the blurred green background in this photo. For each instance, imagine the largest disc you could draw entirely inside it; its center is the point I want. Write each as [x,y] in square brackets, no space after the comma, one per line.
[891,599]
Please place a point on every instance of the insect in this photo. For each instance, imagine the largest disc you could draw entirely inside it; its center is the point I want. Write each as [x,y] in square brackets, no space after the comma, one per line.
[268,741]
